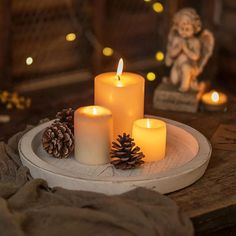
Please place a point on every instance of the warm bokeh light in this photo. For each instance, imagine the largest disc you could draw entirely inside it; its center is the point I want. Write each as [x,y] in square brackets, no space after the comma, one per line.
[70,37]
[107,51]
[151,76]
[157,7]
[147,0]
[215,96]
[29,61]
[120,67]
[159,56]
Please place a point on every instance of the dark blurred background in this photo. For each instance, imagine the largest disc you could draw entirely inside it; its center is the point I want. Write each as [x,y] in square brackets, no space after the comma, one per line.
[50,50]
[74,39]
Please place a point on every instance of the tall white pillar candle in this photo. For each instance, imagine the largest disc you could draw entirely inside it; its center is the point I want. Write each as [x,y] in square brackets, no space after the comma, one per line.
[93,128]
[123,94]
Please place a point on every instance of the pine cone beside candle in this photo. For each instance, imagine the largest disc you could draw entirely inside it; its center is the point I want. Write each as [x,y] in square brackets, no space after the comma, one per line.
[125,155]
[58,140]
[66,116]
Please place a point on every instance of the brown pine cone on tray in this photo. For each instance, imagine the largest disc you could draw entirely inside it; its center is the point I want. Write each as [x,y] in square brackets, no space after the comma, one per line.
[66,116]
[58,140]
[125,155]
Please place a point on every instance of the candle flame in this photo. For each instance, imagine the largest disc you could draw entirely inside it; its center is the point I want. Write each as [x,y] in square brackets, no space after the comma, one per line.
[148,123]
[120,67]
[215,96]
[94,110]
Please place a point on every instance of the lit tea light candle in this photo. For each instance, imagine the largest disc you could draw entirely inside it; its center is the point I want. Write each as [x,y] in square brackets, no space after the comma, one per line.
[150,136]
[215,97]
[214,101]
[93,135]
[123,94]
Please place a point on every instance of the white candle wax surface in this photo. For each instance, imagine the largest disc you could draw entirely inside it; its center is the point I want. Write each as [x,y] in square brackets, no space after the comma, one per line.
[150,136]
[124,96]
[93,128]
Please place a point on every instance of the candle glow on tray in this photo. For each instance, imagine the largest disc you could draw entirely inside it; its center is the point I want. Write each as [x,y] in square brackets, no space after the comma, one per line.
[123,94]
[150,135]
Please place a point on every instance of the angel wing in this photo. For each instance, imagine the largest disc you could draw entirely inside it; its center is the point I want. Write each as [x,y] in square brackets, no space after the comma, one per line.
[171,35]
[207,41]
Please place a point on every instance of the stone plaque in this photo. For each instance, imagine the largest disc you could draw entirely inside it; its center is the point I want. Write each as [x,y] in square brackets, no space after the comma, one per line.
[167,97]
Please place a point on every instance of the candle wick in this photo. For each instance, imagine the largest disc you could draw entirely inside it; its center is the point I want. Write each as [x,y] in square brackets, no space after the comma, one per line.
[118,76]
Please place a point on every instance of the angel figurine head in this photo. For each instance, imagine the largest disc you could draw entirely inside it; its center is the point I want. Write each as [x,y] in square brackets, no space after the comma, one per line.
[187,22]
[188,49]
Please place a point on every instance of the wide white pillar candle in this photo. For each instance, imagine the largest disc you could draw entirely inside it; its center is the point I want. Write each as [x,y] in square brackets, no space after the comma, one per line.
[150,136]
[123,94]
[93,135]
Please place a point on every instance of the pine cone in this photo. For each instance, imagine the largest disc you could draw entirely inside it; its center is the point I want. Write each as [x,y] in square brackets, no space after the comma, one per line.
[58,140]
[124,153]
[66,116]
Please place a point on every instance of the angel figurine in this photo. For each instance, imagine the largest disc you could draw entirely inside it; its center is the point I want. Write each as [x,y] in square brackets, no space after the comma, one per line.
[188,49]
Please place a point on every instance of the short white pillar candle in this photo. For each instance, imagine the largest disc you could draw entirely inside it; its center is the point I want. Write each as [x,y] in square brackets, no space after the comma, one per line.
[93,129]
[150,136]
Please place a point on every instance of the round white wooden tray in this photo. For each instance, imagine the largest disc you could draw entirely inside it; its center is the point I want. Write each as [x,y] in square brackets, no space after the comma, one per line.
[187,157]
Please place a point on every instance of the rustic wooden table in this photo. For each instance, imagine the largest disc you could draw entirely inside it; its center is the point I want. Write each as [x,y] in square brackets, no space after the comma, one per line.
[210,202]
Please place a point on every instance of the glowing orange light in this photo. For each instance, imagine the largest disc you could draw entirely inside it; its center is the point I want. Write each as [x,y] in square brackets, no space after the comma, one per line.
[159,56]
[70,37]
[151,76]
[158,7]
[107,51]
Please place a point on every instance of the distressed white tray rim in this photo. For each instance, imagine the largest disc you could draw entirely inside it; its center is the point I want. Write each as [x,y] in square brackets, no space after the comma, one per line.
[164,182]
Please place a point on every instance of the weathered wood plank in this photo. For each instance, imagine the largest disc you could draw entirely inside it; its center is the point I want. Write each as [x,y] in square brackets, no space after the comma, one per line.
[228,19]
[215,190]
[98,37]
[34,5]
[5,43]
[218,223]
[229,3]
[45,63]
[211,201]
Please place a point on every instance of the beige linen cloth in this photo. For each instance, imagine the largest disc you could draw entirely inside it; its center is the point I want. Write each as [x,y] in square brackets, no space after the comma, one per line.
[29,207]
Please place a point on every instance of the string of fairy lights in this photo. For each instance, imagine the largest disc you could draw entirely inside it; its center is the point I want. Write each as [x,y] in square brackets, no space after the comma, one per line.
[107,51]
